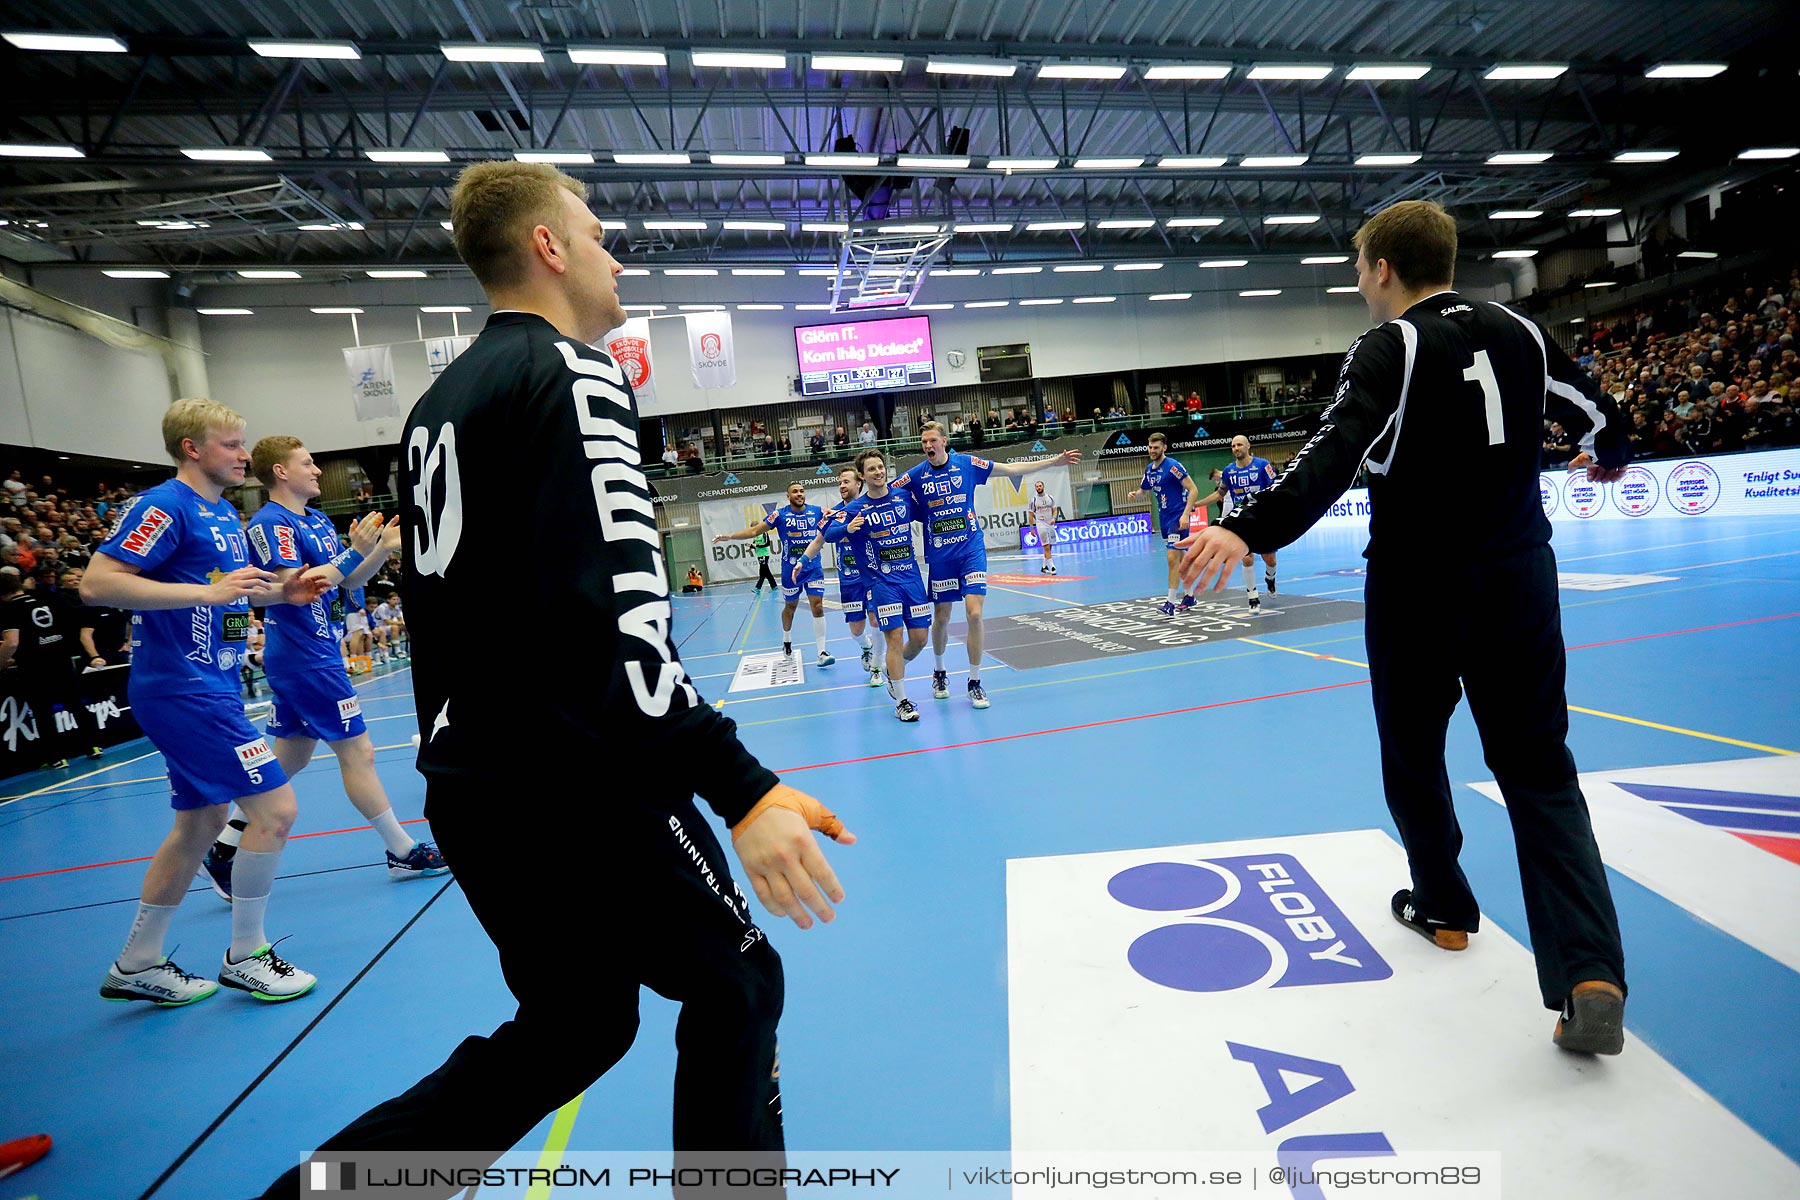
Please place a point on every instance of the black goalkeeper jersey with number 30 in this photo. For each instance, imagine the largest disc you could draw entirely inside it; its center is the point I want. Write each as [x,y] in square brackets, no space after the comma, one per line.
[521,465]
[1446,405]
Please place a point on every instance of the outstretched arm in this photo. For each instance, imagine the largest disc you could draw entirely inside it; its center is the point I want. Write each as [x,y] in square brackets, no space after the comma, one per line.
[1014,470]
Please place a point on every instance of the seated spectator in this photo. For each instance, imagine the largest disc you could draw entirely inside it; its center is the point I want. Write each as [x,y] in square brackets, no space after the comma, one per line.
[766,447]
[784,447]
[958,427]
[670,454]
[866,435]
[1559,447]
[386,617]
[840,440]
[1049,421]
[817,443]
[1640,436]
[1168,404]
[1194,403]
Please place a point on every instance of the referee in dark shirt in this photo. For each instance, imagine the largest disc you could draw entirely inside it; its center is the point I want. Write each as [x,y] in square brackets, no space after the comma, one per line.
[547,783]
[1444,401]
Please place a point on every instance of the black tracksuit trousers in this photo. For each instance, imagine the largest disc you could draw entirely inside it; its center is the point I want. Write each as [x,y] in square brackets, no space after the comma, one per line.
[575,947]
[1494,631]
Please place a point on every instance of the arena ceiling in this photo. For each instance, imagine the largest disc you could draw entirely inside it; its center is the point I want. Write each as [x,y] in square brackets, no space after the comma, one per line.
[1126,161]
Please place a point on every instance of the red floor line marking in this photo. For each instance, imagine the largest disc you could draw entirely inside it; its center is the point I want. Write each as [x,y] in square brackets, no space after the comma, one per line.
[1069,728]
[1645,637]
[1007,738]
[124,862]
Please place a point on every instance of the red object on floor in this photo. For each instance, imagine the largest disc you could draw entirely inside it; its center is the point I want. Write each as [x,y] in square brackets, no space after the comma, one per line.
[16,1156]
[1788,848]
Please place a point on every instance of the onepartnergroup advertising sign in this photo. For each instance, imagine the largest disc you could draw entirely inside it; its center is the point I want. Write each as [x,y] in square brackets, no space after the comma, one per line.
[1765,483]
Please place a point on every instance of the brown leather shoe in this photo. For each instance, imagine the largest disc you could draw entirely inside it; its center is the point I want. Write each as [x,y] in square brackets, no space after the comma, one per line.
[1593,1019]
[1438,934]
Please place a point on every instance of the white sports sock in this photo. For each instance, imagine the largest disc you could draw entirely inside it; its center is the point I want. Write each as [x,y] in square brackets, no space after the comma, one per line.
[937,657]
[896,688]
[1249,578]
[819,633]
[399,842]
[252,879]
[144,945]
[1172,593]
[864,639]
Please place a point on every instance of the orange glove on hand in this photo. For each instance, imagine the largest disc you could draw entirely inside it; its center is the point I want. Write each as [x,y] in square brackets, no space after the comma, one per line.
[816,815]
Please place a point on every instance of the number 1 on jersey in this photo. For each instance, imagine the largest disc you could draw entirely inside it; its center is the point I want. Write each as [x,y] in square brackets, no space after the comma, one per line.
[1483,373]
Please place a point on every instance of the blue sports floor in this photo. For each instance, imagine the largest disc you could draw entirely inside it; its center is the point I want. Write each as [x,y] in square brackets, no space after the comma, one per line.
[895,1034]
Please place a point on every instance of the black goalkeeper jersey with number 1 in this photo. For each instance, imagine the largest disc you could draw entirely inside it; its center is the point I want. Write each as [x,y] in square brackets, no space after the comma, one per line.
[521,464]
[1446,405]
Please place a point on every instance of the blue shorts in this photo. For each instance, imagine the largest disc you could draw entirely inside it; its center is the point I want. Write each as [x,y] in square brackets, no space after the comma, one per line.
[853,594]
[802,575]
[317,704]
[1168,524]
[900,602]
[958,572]
[214,754]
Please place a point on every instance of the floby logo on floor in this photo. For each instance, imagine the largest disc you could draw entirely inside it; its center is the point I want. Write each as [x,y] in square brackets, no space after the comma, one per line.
[1582,497]
[1256,921]
[1547,496]
[1635,492]
[1693,488]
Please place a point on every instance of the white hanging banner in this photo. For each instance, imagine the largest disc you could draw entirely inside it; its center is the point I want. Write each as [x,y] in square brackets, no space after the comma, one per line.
[710,350]
[629,346]
[440,352]
[372,389]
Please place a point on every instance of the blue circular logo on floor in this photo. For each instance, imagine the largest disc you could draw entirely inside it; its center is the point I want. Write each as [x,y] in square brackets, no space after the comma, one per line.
[1166,886]
[1200,957]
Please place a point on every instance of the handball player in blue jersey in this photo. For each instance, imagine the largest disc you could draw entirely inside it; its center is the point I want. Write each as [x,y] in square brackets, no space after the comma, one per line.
[876,528]
[314,701]
[795,527]
[1244,478]
[853,585]
[178,560]
[943,490]
[1172,499]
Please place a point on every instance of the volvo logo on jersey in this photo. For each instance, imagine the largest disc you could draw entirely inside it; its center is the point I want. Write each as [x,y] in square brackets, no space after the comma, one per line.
[1254,921]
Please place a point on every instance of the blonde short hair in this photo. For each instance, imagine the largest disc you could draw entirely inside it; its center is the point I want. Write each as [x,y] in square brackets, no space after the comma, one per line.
[194,419]
[271,452]
[495,205]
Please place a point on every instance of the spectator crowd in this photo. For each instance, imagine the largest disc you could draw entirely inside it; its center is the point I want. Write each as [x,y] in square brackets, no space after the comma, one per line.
[1700,373]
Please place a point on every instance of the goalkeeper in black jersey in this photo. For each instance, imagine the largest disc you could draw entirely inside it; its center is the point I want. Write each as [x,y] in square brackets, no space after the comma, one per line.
[532,403]
[1444,401]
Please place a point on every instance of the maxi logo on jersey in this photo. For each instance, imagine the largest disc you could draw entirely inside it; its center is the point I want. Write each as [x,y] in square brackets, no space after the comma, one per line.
[150,528]
[1257,921]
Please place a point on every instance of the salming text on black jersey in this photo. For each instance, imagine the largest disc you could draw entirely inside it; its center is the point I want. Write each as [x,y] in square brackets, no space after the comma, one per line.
[550,424]
[1446,405]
